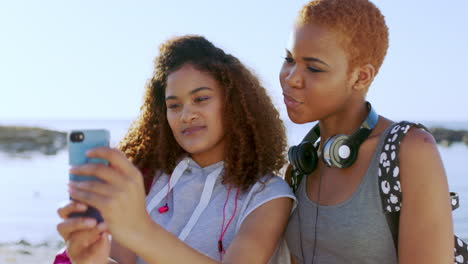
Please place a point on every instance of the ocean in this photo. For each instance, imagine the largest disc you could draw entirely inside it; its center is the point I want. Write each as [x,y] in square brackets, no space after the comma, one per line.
[32,187]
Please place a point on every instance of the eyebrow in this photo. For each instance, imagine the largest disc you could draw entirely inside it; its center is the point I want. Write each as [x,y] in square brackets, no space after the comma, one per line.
[313,59]
[194,91]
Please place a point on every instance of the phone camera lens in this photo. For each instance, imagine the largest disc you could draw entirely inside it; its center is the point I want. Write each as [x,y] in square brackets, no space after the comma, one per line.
[76,137]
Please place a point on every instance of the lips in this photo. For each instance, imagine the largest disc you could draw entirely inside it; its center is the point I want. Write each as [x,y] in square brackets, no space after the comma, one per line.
[192,130]
[291,102]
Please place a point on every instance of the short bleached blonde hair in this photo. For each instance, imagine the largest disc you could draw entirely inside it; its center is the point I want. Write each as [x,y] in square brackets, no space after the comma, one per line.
[359,23]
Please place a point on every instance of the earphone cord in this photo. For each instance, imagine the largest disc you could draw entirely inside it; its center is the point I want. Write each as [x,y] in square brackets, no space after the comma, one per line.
[168,188]
[224,229]
[316,219]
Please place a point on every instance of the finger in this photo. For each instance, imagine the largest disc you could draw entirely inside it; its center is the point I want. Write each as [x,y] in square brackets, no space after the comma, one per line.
[80,241]
[100,171]
[90,198]
[103,243]
[71,225]
[102,227]
[93,186]
[71,207]
[116,159]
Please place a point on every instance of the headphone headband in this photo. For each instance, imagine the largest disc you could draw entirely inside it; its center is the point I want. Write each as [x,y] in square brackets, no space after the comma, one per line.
[313,135]
[366,128]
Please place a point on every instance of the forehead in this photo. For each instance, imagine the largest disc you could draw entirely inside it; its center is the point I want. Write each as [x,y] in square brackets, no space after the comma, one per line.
[316,41]
[188,78]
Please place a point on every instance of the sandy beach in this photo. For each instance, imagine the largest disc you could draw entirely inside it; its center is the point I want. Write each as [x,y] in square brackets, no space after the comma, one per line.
[24,253]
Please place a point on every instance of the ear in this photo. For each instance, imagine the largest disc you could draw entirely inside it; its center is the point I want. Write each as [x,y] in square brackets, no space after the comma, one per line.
[365,75]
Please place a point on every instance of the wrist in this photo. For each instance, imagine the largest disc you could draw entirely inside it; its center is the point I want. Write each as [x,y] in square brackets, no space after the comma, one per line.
[141,235]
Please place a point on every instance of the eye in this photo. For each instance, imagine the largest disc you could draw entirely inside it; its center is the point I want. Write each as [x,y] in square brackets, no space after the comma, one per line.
[173,106]
[201,99]
[288,60]
[312,69]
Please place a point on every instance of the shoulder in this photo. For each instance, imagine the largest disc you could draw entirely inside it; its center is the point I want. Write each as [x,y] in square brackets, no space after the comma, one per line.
[418,147]
[410,140]
[419,159]
[272,184]
[272,190]
[417,140]
[269,187]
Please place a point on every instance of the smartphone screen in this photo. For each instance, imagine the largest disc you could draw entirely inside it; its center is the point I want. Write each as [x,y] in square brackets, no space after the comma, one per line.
[79,142]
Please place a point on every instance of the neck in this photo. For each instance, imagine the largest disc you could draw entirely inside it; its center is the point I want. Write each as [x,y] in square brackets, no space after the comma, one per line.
[202,162]
[345,121]
[204,159]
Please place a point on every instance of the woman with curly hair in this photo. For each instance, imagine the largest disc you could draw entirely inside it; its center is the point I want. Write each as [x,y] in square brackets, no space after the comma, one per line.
[208,142]
[349,204]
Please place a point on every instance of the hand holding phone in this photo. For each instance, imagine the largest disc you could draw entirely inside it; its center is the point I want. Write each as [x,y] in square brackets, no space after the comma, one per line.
[79,142]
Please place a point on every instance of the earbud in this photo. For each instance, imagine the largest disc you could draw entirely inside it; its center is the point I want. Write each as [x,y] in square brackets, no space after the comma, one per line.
[163,209]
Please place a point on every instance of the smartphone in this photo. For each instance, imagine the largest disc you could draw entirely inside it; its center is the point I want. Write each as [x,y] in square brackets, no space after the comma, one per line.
[79,142]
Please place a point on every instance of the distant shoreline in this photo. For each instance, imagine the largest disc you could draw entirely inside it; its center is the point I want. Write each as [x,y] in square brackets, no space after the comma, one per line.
[16,140]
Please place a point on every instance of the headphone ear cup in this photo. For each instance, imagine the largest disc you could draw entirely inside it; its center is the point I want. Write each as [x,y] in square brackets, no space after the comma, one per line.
[306,157]
[353,150]
[292,156]
[339,152]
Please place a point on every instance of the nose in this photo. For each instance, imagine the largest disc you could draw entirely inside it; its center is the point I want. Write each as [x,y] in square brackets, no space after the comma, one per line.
[189,114]
[293,77]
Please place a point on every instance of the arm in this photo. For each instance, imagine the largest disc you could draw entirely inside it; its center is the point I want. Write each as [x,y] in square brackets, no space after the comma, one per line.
[254,243]
[260,233]
[425,230]
[121,255]
[120,198]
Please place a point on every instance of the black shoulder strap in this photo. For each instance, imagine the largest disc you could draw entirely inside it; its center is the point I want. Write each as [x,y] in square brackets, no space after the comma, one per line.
[390,190]
[389,177]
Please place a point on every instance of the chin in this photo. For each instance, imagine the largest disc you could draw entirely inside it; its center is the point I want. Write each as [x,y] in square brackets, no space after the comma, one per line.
[193,149]
[298,118]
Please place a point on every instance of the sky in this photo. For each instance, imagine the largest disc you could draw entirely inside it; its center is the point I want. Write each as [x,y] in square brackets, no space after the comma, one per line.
[90,60]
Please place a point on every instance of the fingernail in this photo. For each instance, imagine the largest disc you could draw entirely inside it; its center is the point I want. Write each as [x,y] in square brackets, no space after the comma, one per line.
[90,222]
[75,184]
[101,227]
[81,206]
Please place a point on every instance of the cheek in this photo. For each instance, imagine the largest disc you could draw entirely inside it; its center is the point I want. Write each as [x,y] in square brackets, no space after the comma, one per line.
[172,121]
[326,84]
[284,72]
[218,121]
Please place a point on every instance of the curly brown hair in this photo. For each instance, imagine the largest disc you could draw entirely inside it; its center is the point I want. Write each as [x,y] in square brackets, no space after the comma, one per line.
[361,25]
[255,138]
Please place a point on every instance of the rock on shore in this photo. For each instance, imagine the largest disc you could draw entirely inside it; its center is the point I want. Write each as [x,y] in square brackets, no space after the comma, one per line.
[18,139]
[447,137]
[23,252]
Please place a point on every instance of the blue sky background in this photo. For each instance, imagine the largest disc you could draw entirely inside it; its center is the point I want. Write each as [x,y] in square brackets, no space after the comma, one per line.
[91,59]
